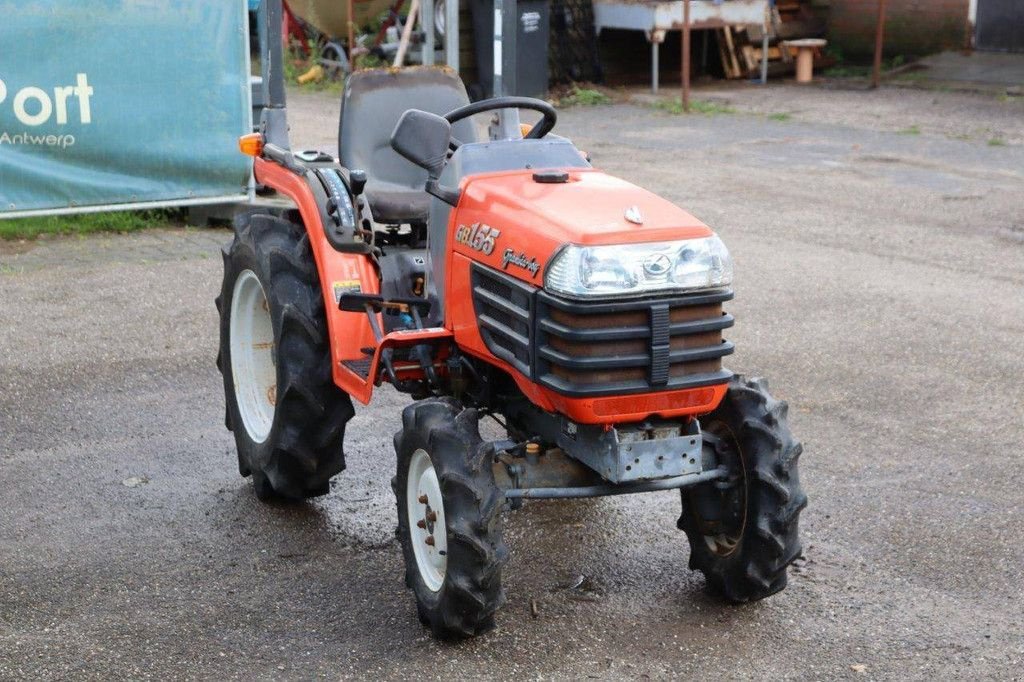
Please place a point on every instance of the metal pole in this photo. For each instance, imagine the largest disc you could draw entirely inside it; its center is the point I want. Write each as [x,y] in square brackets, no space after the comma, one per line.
[876,73]
[654,66]
[686,56]
[510,33]
[972,18]
[497,86]
[451,34]
[271,55]
[273,119]
[506,18]
[764,46]
[427,22]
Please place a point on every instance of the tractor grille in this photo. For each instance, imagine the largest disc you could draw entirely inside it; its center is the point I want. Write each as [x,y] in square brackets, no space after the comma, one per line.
[504,311]
[601,348]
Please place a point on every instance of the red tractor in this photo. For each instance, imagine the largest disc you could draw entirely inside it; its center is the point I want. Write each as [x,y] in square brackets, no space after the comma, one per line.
[495,275]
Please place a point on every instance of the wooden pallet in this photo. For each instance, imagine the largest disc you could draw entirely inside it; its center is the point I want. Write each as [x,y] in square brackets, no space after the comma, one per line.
[740,58]
[740,47]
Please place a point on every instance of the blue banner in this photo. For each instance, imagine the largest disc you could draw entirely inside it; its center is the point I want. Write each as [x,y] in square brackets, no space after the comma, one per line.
[114,102]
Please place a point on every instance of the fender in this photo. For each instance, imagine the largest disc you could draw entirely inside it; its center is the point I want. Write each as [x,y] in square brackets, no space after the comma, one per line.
[349,332]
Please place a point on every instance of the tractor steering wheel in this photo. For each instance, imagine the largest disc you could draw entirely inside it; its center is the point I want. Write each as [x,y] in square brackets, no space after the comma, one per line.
[542,128]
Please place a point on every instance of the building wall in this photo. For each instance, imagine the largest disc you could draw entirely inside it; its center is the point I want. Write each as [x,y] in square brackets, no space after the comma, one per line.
[912,27]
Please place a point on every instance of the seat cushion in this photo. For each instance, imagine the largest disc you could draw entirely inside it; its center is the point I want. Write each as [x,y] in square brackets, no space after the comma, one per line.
[393,204]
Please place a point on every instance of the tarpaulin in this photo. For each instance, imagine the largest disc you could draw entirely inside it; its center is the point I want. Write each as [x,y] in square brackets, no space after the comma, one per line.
[112,102]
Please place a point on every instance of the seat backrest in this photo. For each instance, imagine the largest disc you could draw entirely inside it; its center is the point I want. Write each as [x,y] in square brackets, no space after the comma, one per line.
[374,100]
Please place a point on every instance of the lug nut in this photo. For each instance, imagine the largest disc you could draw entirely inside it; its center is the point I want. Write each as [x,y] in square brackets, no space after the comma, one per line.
[423,499]
[421,524]
[431,516]
[430,540]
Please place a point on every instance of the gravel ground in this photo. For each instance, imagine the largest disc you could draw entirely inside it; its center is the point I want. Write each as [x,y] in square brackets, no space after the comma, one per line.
[962,116]
[880,285]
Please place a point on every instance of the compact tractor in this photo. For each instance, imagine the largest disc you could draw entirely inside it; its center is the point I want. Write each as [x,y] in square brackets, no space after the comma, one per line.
[489,271]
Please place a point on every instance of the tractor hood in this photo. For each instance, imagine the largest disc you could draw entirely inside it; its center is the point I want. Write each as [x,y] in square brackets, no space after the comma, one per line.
[589,207]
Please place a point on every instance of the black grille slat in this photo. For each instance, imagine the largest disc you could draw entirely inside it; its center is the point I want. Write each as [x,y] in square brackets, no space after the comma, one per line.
[494,299]
[599,362]
[593,335]
[698,326]
[702,353]
[503,329]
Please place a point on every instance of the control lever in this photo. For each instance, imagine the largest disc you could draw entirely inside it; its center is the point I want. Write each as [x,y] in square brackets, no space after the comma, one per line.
[357,181]
[332,210]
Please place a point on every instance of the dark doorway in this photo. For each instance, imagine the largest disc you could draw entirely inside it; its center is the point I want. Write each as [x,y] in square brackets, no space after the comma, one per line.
[1000,25]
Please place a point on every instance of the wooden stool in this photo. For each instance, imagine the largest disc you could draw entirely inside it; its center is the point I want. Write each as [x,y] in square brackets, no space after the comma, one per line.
[805,56]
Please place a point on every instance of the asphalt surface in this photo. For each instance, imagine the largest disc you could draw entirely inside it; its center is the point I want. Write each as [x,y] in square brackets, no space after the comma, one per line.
[880,287]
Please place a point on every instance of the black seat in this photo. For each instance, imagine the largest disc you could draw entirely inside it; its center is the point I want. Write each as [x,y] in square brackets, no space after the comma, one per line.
[373,101]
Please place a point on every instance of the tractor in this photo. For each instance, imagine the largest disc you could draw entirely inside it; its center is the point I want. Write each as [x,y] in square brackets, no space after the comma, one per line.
[488,270]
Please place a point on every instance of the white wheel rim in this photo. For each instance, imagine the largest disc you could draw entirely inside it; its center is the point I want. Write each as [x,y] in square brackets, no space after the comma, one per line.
[252,356]
[425,511]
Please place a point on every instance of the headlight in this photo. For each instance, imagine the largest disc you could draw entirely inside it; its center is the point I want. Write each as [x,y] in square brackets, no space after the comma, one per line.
[634,269]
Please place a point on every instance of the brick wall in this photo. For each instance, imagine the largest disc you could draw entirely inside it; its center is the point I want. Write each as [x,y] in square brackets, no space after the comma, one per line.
[912,27]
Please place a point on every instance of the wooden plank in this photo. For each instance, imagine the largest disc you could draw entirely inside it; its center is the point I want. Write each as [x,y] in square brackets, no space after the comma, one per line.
[732,71]
[720,39]
[774,53]
[745,49]
[749,58]
[731,49]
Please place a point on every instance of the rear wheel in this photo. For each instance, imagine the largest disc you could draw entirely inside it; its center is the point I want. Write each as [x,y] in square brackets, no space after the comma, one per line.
[287,415]
[743,531]
[449,523]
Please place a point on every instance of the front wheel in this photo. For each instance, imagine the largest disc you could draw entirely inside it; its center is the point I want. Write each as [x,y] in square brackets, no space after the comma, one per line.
[449,518]
[743,531]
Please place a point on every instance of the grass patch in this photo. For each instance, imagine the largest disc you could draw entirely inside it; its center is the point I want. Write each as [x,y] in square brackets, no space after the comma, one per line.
[997,142]
[780,117]
[911,77]
[674,106]
[912,130]
[86,223]
[845,69]
[372,61]
[587,97]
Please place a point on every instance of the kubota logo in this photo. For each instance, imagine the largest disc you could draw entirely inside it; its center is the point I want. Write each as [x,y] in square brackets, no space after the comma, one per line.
[657,265]
[33,106]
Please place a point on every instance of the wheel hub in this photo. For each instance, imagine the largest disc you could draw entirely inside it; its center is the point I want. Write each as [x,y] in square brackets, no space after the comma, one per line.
[425,515]
[723,535]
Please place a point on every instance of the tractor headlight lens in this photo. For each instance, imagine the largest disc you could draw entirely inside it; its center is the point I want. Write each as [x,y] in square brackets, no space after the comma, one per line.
[636,269]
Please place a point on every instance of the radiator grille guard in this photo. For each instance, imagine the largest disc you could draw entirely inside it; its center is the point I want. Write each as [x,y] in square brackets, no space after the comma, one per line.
[583,349]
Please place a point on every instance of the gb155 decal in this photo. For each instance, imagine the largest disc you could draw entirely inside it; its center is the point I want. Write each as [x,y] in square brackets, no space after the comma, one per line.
[478,237]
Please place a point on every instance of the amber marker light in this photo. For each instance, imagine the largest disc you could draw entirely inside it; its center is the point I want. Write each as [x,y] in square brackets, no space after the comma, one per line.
[251,144]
